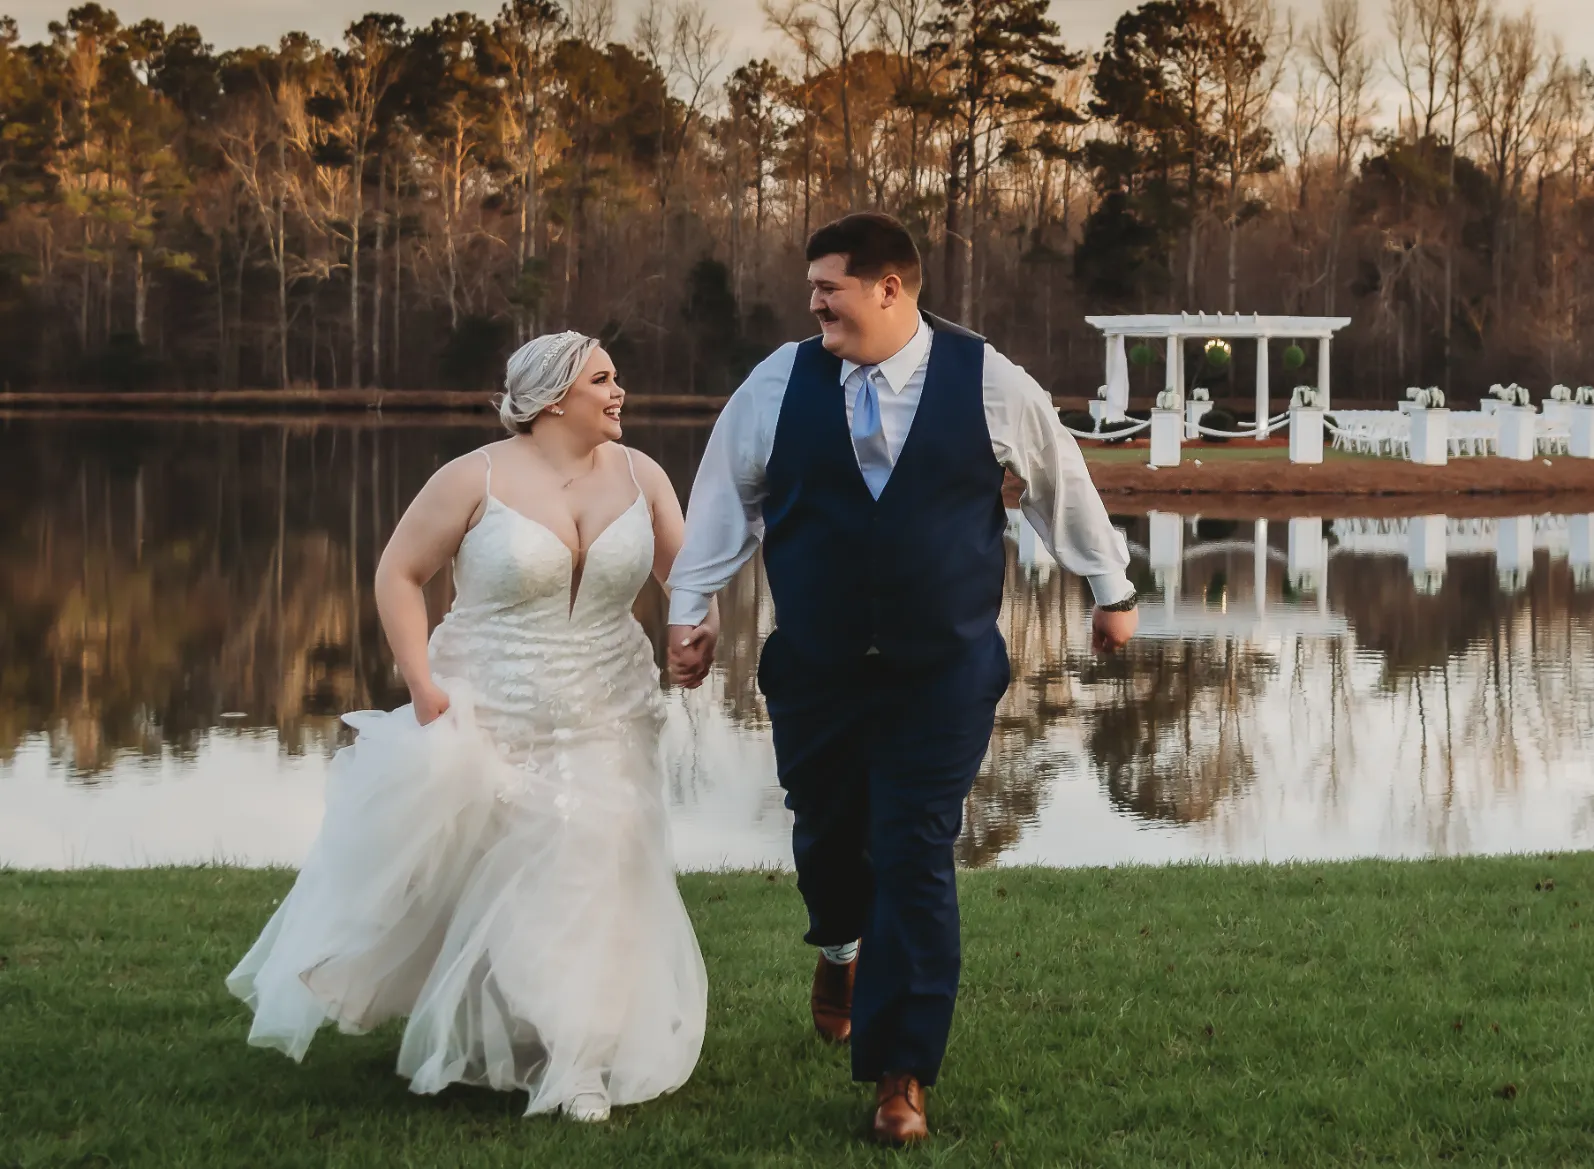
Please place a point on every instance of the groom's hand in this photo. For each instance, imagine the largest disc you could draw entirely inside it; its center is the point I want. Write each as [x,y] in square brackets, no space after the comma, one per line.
[691,653]
[1110,632]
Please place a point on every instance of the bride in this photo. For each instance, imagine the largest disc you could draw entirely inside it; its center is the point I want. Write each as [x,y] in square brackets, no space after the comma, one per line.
[494,861]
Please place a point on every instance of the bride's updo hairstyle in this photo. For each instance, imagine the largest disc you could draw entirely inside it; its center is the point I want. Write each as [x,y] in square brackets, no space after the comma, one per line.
[539,374]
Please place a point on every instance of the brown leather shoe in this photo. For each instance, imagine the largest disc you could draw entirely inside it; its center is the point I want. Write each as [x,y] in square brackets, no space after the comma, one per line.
[899,1115]
[832,999]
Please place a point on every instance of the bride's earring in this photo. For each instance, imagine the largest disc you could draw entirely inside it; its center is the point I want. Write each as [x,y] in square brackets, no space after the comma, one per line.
[556,410]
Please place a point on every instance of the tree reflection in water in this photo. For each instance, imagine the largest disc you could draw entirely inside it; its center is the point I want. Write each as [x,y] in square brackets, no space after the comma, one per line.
[157,577]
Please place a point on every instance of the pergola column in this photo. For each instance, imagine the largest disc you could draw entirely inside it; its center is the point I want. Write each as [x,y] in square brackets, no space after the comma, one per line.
[1259,567]
[1261,389]
[1174,378]
[1322,370]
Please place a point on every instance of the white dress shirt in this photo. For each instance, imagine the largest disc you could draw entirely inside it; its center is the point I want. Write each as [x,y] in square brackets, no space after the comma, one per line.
[725,523]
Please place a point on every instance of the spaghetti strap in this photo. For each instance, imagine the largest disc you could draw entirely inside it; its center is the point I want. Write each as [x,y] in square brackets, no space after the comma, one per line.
[487,480]
[640,494]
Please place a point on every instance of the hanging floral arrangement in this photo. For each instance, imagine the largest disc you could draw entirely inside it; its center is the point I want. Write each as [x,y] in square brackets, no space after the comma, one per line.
[1140,354]
[1294,358]
[1217,354]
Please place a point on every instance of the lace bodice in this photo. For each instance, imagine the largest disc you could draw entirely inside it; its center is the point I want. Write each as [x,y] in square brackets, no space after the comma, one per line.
[551,657]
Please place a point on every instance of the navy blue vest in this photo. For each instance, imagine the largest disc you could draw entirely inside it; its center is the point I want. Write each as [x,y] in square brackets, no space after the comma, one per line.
[916,574]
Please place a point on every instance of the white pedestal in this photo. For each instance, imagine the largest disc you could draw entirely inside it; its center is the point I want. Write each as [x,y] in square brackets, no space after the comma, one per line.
[1306,553]
[1490,405]
[1518,427]
[1306,436]
[1430,437]
[1580,551]
[1427,550]
[1167,551]
[1167,427]
[1194,412]
[1032,553]
[1259,567]
[1513,551]
[1582,423]
[1557,412]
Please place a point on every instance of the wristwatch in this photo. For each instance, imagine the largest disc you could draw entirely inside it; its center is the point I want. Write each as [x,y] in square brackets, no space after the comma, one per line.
[1123,606]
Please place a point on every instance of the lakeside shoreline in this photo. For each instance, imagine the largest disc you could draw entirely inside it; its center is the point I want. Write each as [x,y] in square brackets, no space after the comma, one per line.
[1403,1012]
[1241,468]
[1259,474]
[307,402]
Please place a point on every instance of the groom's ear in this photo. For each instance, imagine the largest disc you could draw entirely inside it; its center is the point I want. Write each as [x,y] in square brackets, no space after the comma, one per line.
[890,289]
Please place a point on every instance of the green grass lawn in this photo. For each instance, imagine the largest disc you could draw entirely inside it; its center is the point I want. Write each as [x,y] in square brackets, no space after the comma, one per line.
[1319,1014]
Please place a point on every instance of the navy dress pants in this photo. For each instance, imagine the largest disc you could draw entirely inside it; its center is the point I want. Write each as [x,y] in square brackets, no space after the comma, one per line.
[876,759]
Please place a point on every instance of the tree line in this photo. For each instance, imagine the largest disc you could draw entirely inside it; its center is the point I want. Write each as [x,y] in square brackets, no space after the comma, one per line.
[401,208]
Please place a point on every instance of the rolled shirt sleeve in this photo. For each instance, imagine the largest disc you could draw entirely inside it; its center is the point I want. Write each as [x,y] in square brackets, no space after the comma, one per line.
[1059,500]
[724,519]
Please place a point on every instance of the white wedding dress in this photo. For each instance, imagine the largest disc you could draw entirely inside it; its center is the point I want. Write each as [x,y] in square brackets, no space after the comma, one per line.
[503,876]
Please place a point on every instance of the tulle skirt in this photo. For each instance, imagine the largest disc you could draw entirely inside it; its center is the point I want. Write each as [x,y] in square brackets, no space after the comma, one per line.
[520,908]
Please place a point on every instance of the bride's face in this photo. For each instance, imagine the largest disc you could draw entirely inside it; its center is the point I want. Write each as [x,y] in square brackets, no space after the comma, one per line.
[592,404]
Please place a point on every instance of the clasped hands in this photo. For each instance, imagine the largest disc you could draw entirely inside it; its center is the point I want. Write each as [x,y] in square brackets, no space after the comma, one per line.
[691,652]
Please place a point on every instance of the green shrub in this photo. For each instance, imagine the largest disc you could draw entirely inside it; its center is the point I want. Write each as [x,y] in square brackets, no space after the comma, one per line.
[1218,418]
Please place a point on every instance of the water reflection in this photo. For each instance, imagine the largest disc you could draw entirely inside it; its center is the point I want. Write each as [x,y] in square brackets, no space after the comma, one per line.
[185,610]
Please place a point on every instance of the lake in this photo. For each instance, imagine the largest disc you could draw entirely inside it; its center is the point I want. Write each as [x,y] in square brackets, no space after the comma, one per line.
[185,611]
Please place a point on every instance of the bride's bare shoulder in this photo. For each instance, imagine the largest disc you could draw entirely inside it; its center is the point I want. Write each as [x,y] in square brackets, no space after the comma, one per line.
[650,476]
[466,475]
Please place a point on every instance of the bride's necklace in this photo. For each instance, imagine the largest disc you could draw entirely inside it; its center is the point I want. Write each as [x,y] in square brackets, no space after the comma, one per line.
[579,474]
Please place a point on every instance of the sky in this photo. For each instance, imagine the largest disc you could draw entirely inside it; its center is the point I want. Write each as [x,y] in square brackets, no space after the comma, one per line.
[230,23]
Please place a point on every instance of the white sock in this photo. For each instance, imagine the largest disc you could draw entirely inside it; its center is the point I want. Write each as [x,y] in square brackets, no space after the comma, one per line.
[840,955]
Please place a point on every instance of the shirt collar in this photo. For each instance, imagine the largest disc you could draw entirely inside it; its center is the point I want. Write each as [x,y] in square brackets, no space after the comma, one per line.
[901,365]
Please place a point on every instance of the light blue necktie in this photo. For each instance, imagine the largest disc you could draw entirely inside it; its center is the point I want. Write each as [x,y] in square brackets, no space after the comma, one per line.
[868,436]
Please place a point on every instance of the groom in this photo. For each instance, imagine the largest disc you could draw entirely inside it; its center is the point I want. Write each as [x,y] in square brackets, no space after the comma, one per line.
[869,462]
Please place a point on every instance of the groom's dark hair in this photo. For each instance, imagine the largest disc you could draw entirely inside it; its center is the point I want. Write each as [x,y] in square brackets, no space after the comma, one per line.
[874,243]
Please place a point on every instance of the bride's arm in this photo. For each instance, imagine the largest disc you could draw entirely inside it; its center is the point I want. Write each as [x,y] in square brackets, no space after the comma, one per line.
[669,530]
[425,539]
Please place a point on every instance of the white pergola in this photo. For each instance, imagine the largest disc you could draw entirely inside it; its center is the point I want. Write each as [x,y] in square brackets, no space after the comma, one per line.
[1175,328]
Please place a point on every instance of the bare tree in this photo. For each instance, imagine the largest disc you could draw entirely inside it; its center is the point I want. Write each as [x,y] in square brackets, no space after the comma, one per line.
[1337,50]
[592,21]
[687,49]
[1514,85]
[830,33]
[1463,21]
[1249,62]
[1418,30]
[256,148]
[900,29]
[368,69]
[524,36]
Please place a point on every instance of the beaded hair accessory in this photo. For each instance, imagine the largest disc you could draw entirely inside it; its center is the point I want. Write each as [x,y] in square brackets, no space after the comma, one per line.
[539,374]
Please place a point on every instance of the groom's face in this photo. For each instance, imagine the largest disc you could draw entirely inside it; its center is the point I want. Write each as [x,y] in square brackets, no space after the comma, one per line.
[849,310]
